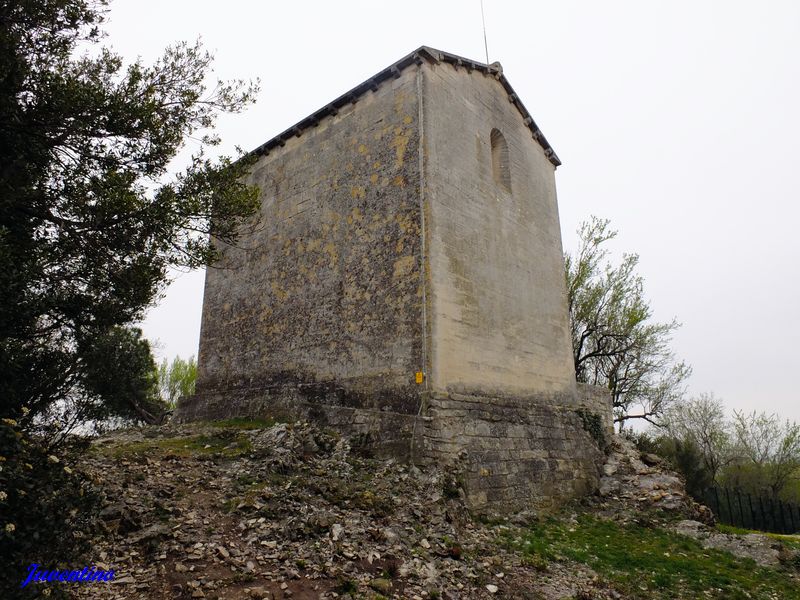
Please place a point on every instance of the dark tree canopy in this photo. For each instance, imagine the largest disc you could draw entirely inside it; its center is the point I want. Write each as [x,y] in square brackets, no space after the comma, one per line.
[91,218]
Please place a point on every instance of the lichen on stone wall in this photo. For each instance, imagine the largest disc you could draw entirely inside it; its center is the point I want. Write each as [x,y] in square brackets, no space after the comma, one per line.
[328,291]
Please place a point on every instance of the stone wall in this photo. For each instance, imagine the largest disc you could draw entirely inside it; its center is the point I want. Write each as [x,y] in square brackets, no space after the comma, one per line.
[509,453]
[596,400]
[513,453]
[497,295]
[324,294]
[384,433]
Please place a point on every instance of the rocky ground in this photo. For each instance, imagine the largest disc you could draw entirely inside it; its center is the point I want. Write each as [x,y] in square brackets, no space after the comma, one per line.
[290,511]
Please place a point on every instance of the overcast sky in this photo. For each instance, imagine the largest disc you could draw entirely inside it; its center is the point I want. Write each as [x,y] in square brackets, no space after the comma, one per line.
[679,121]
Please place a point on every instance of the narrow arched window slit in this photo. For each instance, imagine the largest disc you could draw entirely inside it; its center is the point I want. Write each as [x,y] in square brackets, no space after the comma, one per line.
[500,160]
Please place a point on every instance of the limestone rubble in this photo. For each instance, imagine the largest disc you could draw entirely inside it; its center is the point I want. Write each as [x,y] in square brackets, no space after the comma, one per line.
[292,511]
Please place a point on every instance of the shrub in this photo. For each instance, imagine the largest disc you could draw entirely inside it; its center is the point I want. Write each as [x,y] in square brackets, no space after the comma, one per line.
[46,510]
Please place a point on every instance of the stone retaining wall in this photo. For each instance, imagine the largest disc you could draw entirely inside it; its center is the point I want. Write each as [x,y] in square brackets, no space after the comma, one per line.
[511,453]
[514,453]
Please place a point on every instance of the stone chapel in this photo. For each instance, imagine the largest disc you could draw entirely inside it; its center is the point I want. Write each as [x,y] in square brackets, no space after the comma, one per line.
[405,282]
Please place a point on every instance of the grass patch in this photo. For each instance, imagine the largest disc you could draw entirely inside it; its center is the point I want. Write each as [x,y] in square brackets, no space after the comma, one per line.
[732,530]
[245,424]
[345,585]
[790,541]
[227,444]
[651,563]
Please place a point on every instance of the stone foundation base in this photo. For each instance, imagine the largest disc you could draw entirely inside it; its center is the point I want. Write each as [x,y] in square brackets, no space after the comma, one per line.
[386,433]
[516,453]
[510,453]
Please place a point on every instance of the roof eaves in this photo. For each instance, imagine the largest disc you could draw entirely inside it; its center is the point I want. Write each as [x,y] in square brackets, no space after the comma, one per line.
[423,53]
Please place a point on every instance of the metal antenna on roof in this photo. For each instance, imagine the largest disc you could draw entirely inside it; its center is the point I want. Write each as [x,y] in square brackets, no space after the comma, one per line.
[485,45]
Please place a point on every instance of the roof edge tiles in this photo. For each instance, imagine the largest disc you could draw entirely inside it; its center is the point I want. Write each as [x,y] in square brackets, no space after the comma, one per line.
[423,53]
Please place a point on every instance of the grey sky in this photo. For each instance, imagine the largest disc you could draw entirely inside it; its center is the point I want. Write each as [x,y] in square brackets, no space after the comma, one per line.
[679,121]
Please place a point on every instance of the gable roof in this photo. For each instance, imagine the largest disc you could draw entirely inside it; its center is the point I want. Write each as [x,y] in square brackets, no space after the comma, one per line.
[423,53]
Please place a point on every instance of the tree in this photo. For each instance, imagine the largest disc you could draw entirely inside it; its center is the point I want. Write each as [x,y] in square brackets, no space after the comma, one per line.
[615,343]
[701,421]
[119,384]
[769,452]
[176,380]
[91,218]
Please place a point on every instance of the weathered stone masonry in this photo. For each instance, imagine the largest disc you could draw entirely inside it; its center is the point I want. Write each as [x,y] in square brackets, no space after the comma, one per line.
[410,226]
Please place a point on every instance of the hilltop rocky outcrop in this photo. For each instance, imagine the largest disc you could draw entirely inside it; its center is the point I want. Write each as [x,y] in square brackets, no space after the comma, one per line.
[271,511]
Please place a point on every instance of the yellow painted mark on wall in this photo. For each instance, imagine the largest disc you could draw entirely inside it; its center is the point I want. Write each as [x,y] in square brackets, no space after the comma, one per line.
[419,377]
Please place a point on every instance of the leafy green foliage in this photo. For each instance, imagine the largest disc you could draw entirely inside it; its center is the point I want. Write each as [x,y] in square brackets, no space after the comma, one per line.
[91,219]
[615,342]
[226,443]
[768,453]
[701,423]
[683,455]
[756,453]
[687,458]
[176,379]
[593,425]
[120,370]
[652,563]
[46,509]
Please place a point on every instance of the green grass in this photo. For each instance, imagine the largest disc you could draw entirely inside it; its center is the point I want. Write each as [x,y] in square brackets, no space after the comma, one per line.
[651,563]
[223,444]
[245,423]
[732,530]
[791,541]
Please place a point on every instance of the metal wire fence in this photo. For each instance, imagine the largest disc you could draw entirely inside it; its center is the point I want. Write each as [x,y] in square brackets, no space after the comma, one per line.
[763,513]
